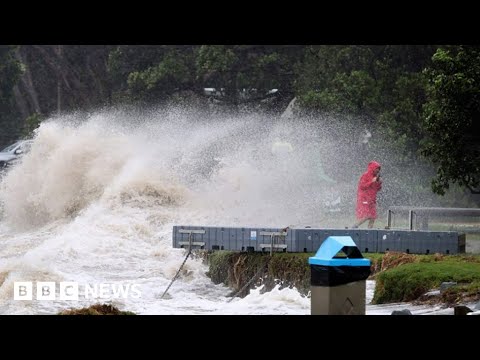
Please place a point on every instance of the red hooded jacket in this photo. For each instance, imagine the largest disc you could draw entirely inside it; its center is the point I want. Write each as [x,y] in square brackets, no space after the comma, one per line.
[367,193]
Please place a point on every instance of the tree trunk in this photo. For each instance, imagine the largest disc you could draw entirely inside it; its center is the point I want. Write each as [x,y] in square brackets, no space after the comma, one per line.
[59,81]
[20,102]
[27,83]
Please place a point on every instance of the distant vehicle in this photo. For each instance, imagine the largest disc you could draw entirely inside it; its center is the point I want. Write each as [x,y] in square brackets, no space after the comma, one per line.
[12,153]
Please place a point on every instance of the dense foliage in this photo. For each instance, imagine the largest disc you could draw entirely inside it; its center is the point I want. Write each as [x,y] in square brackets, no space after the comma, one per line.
[423,100]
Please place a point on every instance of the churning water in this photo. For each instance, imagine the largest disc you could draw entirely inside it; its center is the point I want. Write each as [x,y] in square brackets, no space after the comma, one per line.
[95,199]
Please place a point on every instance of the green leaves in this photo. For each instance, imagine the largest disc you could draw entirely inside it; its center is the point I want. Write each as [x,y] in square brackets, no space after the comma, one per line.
[215,58]
[243,72]
[452,117]
[10,72]
[168,75]
[423,100]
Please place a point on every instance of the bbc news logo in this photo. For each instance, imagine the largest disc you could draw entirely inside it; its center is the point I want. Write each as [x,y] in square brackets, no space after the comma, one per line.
[69,290]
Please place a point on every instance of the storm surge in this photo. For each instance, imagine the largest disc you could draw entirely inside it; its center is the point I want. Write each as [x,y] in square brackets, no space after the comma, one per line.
[96,198]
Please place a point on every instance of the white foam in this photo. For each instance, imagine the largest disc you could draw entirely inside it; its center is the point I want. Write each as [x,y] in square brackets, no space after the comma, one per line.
[96,199]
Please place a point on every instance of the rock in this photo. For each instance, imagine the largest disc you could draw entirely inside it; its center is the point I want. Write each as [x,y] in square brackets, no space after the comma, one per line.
[401,312]
[477,307]
[432,293]
[445,285]
[461,310]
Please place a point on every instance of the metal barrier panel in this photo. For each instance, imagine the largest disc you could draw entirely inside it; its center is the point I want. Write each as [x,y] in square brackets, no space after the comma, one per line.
[397,240]
[385,241]
[365,239]
[310,239]
[306,240]
[432,242]
[251,239]
[240,239]
[411,246]
[316,239]
[265,240]
[426,241]
[461,241]
[218,242]
[181,237]
[323,234]
[302,242]
[291,240]
[175,236]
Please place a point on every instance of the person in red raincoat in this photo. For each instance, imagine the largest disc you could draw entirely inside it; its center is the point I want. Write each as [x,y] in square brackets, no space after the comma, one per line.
[368,187]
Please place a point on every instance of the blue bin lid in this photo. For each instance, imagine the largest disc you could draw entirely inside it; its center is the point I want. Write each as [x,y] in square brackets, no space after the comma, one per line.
[331,246]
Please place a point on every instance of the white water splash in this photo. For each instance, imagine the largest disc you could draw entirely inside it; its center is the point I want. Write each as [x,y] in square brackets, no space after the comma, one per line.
[96,199]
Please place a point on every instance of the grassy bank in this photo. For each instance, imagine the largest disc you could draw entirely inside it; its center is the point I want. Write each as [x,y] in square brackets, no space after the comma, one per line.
[399,276]
[235,269]
[411,280]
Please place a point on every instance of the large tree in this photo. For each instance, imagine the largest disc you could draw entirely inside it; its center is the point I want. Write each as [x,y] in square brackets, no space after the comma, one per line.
[452,118]
[10,72]
[380,87]
[238,73]
[151,73]
[61,78]
[374,89]
[247,73]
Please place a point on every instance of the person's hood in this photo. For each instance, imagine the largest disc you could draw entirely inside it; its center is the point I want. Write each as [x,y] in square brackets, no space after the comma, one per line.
[372,165]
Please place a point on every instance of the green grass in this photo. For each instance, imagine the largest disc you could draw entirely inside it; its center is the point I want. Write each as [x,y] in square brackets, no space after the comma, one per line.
[409,281]
[462,291]
[373,256]
[235,269]
[399,282]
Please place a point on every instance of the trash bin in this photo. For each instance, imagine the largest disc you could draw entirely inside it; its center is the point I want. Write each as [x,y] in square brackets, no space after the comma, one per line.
[338,278]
